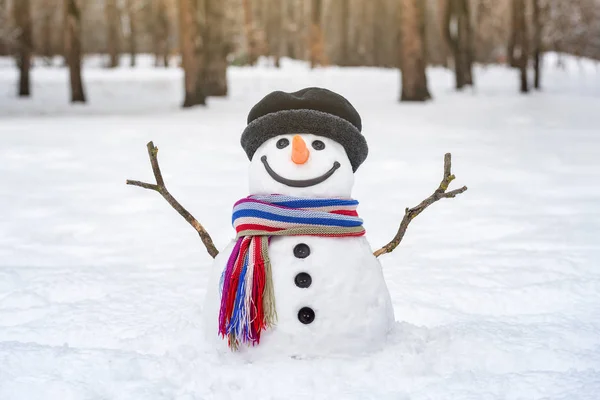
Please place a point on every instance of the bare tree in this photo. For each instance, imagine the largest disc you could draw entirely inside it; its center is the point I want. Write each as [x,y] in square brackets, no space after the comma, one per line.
[344,16]
[412,51]
[160,32]
[22,9]
[132,8]
[73,48]
[316,34]
[201,22]
[537,43]
[187,37]
[521,41]
[4,26]
[251,45]
[215,49]
[379,32]
[274,29]
[46,49]
[113,22]
[457,33]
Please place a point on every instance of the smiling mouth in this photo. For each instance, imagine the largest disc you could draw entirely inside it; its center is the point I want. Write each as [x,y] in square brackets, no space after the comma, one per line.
[301,182]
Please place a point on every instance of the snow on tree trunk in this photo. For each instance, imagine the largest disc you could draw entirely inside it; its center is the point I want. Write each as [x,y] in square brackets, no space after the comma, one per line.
[22,10]
[412,51]
[73,48]
[112,39]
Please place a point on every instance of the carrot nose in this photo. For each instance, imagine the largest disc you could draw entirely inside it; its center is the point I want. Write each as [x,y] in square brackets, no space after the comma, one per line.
[299,151]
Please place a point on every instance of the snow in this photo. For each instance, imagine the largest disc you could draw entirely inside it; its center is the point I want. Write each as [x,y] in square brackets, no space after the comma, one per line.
[496,293]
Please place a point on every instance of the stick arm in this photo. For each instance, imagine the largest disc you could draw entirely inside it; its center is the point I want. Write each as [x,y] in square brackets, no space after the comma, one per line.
[411,213]
[162,189]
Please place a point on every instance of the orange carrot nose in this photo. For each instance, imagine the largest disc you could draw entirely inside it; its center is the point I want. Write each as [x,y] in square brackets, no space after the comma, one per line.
[299,151]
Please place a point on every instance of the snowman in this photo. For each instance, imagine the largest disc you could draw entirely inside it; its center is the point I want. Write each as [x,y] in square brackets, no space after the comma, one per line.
[300,278]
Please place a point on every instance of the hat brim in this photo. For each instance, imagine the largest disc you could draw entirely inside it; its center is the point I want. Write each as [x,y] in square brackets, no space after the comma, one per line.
[306,121]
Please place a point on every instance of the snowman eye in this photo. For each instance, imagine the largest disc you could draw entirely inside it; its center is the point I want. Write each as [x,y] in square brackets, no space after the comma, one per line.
[281,143]
[318,145]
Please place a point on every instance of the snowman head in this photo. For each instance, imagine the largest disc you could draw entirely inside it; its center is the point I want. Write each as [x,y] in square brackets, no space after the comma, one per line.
[307,144]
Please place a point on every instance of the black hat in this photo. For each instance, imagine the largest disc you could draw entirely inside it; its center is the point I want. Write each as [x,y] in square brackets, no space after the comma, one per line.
[311,110]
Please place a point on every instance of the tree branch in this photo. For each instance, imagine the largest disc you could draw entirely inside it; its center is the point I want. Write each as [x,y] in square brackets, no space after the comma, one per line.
[411,213]
[161,188]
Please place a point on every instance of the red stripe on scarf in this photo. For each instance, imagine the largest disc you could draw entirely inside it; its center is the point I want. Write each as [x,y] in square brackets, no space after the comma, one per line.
[258,289]
[351,213]
[254,227]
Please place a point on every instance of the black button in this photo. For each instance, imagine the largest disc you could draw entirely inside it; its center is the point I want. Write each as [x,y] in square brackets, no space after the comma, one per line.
[306,315]
[302,250]
[303,280]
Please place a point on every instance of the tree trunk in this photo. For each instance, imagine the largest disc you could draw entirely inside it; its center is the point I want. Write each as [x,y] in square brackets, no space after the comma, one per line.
[215,62]
[522,42]
[160,33]
[3,22]
[379,31]
[365,44]
[112,40]
[537,45]
[457,16]
[468,42]
[25,40]
[47,29]
[316,34]
[292,32]
[251,47]
[131,16]
[187,37]
[344,22]
[73,48]
[274,29]
[201,16]
[412,51]
[512,40]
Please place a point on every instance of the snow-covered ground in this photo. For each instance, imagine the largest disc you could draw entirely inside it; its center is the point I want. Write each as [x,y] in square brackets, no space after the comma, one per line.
[496,292]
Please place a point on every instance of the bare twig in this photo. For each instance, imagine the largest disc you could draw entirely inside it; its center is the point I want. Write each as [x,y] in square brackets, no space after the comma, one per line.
[411,213]
[161,188]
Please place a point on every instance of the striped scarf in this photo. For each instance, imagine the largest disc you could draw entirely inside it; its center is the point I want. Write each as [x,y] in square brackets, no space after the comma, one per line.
[247,295]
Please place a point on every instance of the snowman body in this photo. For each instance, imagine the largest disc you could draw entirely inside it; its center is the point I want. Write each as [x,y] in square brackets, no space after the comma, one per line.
[330,293]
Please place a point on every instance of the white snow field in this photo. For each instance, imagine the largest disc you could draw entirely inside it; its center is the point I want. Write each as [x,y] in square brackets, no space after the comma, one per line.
[496,292]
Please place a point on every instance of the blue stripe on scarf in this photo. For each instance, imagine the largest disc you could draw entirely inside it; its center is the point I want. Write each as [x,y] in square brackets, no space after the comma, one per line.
[303,202]
[313,203]
[290,212]
[237,318]
[308,221]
